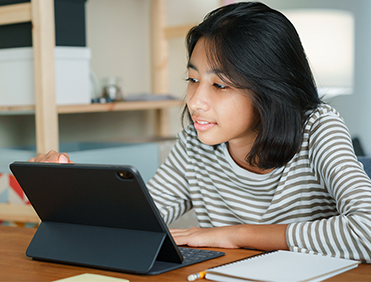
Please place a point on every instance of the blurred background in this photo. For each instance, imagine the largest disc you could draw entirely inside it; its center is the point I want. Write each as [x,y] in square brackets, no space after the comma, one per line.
[118,36]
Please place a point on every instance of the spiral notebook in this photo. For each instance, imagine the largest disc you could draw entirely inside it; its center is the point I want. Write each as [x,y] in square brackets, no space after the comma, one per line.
[281,266]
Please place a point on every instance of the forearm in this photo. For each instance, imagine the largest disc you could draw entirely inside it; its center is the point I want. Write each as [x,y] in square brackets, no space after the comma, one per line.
[263,237]
[171,198]
[341,236]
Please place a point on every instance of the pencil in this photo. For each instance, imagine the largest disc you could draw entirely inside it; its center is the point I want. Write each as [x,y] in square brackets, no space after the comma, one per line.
[196,276]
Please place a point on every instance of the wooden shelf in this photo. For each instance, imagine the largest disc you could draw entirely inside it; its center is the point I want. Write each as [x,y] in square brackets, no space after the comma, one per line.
[91,108]
[120,106]
[16,13]
[41,14]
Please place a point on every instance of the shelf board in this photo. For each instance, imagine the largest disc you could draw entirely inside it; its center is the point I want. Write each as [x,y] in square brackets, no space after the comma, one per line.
[119,106]
[16,13]
[91,108]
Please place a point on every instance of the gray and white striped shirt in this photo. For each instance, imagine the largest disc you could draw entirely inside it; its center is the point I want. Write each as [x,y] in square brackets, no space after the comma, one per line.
[322,193]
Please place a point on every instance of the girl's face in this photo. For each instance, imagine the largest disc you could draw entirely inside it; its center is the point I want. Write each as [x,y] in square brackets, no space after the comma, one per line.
[220,112]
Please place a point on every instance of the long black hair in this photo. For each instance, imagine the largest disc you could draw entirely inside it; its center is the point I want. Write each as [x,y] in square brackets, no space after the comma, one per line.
[258,49]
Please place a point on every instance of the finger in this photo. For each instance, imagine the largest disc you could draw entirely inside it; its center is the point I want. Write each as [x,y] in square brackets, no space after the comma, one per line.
[51,156]
[67,157]
[39,158]
[176,231]
[180,239]
[63,159]
[180,232]
[45,157]
[184,229]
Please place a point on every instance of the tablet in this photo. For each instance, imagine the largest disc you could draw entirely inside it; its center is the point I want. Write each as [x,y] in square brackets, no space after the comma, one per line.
[99,216]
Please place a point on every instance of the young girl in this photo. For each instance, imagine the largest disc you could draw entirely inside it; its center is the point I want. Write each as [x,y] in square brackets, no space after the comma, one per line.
[264,163]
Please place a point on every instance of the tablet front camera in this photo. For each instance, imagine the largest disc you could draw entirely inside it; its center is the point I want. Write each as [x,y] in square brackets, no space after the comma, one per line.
[125,175]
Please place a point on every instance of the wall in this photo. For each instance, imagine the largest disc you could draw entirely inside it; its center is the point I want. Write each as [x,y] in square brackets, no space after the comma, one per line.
[119,38]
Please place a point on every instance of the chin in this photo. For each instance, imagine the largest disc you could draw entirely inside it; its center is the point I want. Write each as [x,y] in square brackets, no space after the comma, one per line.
[208,141]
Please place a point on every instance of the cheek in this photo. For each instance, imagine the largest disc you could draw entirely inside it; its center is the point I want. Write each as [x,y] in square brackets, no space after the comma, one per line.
[249,117]
[240,112]
[247,111]
[190,92]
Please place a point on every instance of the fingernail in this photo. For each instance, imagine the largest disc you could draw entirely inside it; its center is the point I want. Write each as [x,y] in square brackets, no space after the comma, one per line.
[63,159]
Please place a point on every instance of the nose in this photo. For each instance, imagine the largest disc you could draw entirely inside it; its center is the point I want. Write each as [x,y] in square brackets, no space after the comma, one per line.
[198,98]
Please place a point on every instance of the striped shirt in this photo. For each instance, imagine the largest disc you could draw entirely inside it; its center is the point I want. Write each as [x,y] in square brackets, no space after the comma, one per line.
[323,192]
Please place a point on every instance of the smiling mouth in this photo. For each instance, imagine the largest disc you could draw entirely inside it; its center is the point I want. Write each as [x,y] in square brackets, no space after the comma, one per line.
[202,122]
[202,125]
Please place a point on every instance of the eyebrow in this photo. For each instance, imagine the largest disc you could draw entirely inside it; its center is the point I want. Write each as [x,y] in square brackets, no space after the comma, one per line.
[190,66]
[212,71]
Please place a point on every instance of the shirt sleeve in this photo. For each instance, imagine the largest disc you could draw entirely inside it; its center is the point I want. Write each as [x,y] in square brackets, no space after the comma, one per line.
[347,235]
[169,186]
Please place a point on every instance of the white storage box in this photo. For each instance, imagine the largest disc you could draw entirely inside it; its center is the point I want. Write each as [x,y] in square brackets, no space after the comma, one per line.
[72,71]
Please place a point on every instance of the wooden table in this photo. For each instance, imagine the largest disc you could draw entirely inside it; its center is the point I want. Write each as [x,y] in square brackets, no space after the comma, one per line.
[16,266]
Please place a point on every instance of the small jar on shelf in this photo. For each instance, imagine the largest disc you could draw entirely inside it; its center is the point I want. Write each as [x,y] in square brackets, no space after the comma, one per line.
[113,90]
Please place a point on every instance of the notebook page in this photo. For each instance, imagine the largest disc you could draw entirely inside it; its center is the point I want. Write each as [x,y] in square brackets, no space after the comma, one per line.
[284,266]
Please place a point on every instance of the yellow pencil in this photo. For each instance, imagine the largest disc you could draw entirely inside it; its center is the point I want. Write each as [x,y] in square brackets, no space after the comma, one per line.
[196,276]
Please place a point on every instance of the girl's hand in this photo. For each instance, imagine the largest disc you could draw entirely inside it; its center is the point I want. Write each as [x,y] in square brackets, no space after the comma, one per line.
[218,237]
[257,236]
[52,157]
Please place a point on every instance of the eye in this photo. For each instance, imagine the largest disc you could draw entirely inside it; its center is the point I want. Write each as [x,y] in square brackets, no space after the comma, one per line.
[192,80]
[219,86]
